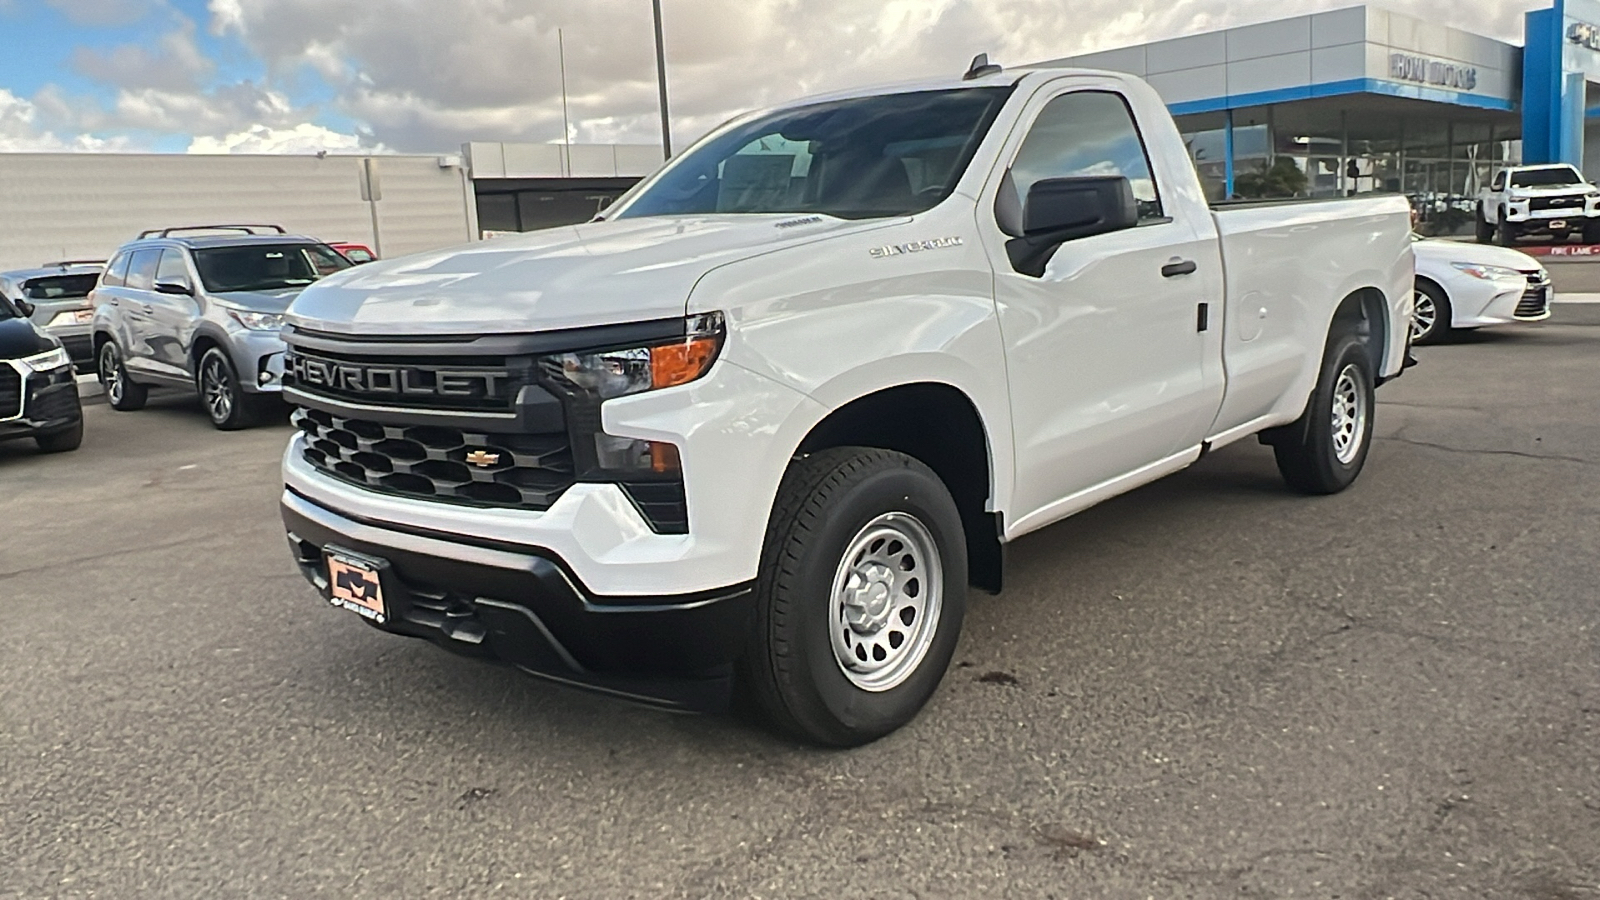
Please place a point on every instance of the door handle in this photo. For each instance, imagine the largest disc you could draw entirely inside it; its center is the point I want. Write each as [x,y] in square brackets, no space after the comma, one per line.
[148,309]
[1178,267]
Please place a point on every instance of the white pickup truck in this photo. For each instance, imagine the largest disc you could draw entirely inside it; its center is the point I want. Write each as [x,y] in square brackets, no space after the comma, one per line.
[765,422]
[1552,201]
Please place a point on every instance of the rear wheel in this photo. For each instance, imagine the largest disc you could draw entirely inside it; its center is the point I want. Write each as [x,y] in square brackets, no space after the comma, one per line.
[221,394]
[122,392]
[1430,322]
[860,599]
[1323,452]
[61,441]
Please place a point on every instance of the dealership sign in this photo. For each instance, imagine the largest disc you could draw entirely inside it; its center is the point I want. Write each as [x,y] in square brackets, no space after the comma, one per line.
[1423,70]
[1584,35]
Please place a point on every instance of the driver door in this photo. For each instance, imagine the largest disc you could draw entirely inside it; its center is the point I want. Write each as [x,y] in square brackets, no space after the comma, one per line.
[1104,355]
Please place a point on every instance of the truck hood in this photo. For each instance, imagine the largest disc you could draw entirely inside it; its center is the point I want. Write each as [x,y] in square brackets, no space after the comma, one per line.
[1553,190]
[1442,253]
[599,273]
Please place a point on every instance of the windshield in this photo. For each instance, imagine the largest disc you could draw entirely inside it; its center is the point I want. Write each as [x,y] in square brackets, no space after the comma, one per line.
[1559,176]
[61,287]
[265,267]
[867,157]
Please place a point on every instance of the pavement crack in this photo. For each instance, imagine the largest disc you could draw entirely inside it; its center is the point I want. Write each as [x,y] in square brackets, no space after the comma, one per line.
[1476,452]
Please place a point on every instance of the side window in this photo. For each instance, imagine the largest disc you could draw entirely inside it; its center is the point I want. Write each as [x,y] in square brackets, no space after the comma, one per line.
[1087,133]
[116,274]
[142,269]
[172,267]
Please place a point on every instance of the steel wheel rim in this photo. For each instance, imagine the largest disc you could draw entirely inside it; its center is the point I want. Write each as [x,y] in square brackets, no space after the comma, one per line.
[1424,314]
[1349,414]
[884,608]
[216,389]
[111,374]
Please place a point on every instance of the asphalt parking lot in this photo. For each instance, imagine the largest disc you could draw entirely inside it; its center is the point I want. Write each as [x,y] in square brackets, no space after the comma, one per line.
[1207,688]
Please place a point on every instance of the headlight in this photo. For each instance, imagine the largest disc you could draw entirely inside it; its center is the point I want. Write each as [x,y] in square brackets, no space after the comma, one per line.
[48,361]
[257,321]
[650,473]
[617,373]
[1489,273]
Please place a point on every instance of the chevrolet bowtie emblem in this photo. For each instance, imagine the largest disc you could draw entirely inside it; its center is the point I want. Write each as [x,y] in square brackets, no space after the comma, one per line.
[483,459]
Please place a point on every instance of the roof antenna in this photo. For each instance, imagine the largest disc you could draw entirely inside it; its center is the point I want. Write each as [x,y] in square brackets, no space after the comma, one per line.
[980,67]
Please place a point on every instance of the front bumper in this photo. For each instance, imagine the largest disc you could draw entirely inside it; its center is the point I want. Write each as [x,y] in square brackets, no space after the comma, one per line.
[47,403]
[521,605]
[1501,302]
[258,357]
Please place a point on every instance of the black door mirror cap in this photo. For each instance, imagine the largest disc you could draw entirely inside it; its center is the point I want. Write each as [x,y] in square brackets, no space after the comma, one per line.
[1065,209]
[24,307]
[174,287]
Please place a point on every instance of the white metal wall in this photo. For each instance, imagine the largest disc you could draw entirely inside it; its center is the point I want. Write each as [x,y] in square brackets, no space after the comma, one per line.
[83,206]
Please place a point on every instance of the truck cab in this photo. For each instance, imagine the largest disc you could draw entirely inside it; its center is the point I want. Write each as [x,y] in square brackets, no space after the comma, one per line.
[763,424]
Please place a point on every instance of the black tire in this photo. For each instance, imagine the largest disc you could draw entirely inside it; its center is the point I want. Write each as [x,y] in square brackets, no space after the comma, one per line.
[61,441]
[828,504]
[1484,232]
[1439,305]
[1308,456]
[122,392]
[1505,234]
[1591,232]
[221,395]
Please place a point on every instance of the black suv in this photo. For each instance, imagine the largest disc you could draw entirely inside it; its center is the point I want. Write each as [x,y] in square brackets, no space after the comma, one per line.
[38,395]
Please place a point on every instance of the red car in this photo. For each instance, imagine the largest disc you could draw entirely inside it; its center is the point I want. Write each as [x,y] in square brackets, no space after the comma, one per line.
[356,253]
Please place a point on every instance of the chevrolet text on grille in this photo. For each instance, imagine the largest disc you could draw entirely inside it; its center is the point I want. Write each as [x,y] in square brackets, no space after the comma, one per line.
[397,380]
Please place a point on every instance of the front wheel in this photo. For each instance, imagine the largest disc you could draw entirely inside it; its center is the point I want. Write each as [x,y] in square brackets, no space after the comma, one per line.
[61,441]
[1505,234]
[860,598]
[122,392]
[221,394]
[1323,452]
[1430,321]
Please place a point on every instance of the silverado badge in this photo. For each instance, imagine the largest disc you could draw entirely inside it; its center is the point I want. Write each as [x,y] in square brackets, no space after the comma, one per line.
[483,459]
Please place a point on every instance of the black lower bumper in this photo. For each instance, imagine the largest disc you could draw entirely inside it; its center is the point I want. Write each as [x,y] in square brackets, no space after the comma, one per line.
[520,605]
[81,348]
[49,405]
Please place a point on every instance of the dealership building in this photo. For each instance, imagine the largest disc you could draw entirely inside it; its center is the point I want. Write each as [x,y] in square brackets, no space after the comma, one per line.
[1367,99]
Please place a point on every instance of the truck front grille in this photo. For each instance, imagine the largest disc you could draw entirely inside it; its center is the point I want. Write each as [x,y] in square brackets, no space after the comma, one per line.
[10,392]
[522,471]
[1541,203]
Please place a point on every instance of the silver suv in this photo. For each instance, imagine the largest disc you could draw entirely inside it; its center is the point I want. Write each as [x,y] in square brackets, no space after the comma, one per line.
[203,311]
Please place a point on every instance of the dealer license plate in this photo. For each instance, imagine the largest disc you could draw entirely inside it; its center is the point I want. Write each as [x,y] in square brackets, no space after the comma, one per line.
[354,583]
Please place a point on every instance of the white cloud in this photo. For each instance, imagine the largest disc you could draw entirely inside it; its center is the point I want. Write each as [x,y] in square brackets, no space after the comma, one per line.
[302,138]
[20,131]
[426,75]
[174,63]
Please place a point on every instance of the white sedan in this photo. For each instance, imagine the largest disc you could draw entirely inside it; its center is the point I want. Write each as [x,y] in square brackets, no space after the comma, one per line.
[1461,285]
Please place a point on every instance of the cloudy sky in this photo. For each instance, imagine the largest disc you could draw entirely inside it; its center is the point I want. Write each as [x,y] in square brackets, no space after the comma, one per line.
[298,76]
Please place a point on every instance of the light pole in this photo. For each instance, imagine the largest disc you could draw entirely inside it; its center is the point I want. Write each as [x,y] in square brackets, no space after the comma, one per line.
[661,78]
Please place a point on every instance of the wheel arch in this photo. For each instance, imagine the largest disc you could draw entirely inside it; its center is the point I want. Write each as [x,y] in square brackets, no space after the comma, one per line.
[939,425]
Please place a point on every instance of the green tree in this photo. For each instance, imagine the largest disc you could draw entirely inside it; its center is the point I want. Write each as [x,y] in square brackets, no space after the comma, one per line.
[1281,179]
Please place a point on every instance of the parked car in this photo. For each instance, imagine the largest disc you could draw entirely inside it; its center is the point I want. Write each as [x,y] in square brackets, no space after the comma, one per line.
[202,310]
[1554,201]
[356,253]
[59,295]
[1461,286]
[767,420]
[38,395]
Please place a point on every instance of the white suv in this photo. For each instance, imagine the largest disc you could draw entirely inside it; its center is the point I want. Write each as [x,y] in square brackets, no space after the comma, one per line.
[1554,200]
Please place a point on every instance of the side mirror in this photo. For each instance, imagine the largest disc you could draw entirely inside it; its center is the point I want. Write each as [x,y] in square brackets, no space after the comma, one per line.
[1059,210]
[174,287]
[24,307]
